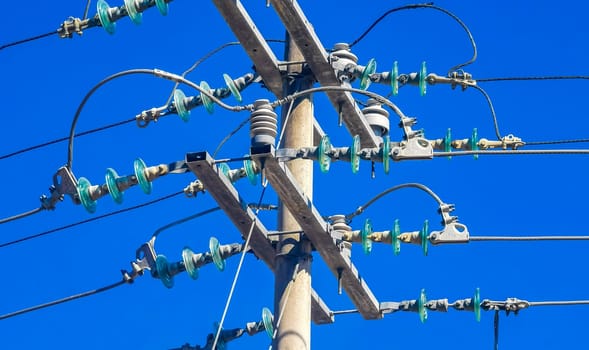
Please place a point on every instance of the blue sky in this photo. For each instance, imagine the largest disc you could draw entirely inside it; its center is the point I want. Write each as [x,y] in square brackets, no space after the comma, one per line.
[44,82]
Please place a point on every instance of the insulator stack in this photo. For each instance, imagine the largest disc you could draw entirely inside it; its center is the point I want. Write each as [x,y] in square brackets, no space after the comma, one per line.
[377,117]
[263,127]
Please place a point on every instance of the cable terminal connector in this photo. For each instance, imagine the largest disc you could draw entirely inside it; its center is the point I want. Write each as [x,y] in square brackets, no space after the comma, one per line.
[510,305]
[194,188]
[415,146]
[453,231]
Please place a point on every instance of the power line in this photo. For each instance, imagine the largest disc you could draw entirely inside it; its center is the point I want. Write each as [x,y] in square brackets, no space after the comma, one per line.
[429,5]
[528,238]
[237,272]
[549,77]
[22,215]
[23,41]
[490,103]
[513,152]
[424,188]
[52,142]
[63,300]
[534,143]
[48,232]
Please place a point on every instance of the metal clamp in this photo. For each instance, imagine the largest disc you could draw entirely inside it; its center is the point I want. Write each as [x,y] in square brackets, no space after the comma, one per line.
[415,146]
[144,260]
[457,78]
[510,305]
[64,183]
[510,141]
[453,232]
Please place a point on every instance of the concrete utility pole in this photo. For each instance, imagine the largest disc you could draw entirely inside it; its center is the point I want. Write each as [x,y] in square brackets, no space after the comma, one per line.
[292,288]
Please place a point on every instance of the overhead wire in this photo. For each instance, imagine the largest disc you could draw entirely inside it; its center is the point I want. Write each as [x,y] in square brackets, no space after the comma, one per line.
[363,207]
[52,142]
[63,300]
[78,223]
[87,9]
[237,272]
[528,238]
[33,38]
[549,77]
[429,5]
[490,104]
[22,215]
[512,152]
[155,72]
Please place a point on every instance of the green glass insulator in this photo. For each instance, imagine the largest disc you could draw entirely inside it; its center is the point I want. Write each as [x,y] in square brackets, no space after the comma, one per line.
[474,142]
[162,7]
[136,16]
[423,234]
[369,69]
[323,154]
[215,250]
[107,23]
[112,182]
[395,242]
[248,165]
[422,79]
[268,321]
[354,157]
[224,169]
[421,302]
[163,272]
[187,258]
[385,154]
[232,87]
[206,100]
[83,189]
[180,105]
[364,233]
[395,79]
[476,301]
[139,167]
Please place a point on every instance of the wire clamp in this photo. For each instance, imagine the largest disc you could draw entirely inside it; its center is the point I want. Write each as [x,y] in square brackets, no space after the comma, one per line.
[70,26]
[415,146]
[510,305]
[64,183]
[453,232]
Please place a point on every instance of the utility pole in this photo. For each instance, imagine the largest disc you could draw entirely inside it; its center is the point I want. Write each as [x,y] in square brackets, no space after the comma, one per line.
[292,288]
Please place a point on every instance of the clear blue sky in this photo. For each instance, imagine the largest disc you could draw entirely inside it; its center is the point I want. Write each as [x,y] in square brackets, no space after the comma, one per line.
[44,81]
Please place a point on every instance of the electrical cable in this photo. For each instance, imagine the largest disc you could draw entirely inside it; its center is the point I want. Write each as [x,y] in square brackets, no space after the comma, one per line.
[429,5]
[45,233]
[206,57]
[554,77]
[528,238]
[512,152]
[49,143]
[198,62]
[19,42]
[183,220]
[488,98]
[63,300]
[286,296]
[496,330]
[286,118]
[241,259]
[230,135]
[86,9]
[424,188]
[156,72]
[22,215]
[534,143]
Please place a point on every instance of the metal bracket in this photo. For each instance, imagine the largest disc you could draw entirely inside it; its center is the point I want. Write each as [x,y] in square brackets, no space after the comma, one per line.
[64,182]
[413,148]
[453,232]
